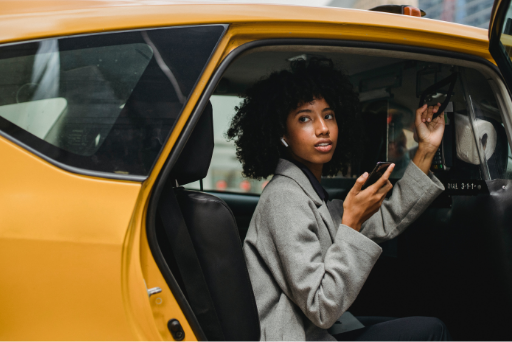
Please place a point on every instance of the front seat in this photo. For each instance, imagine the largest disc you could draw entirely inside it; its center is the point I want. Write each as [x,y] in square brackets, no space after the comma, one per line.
[225,307]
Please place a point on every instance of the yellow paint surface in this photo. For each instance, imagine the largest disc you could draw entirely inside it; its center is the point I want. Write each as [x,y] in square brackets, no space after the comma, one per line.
[61,243]
[23,20]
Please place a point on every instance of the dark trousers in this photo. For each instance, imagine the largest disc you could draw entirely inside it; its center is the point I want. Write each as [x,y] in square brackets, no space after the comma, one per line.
[399,329]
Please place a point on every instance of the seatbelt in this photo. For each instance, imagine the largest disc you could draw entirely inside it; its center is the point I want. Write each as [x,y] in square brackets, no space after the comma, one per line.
[188,263]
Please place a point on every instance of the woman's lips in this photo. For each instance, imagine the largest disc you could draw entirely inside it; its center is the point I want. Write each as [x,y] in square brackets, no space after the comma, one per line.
[323,147]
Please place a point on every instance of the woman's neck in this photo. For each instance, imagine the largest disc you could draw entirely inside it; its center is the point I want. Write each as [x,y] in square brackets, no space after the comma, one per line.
[316,169]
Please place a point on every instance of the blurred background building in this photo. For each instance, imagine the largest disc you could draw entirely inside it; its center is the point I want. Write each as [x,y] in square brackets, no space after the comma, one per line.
[467,12]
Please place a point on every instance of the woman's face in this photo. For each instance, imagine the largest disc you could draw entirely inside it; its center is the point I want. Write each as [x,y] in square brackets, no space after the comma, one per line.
[312,133]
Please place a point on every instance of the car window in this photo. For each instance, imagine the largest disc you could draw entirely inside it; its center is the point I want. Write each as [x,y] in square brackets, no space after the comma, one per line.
[389,92]
[225,173]
[103,102]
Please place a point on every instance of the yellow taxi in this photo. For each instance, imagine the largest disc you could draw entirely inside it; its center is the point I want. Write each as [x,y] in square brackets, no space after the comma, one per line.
[122,206]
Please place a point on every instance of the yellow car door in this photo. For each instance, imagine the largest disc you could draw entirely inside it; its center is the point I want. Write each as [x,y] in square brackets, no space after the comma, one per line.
[83,122]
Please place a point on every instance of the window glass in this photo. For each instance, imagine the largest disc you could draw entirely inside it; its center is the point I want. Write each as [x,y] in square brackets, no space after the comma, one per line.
[102,102]
[225,173]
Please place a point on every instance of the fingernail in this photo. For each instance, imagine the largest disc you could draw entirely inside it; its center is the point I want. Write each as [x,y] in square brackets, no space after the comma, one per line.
[422,120]
[428,119]
[365,174]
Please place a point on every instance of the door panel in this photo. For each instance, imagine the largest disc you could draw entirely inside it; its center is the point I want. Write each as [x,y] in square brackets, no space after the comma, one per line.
[72,109]
[61,247]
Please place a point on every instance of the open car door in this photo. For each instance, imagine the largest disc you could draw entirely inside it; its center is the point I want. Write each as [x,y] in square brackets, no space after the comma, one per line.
[500,38]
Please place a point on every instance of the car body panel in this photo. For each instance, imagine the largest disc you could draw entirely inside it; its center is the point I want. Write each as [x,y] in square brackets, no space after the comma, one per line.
[54,234]
[122,267]
[62,18]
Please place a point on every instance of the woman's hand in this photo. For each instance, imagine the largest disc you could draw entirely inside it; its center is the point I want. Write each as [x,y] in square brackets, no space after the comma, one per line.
[429,134]
[359,205]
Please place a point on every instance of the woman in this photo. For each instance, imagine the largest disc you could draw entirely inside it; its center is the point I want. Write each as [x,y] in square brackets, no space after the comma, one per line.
[308,257]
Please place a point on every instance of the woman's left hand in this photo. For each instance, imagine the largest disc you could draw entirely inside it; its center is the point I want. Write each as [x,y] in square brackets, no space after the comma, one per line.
[429,134]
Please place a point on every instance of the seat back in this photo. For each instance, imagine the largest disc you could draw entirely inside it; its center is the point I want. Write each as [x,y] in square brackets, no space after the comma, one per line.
[214,234]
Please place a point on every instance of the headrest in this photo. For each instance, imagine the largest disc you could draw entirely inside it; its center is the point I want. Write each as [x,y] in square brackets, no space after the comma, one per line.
[194,160]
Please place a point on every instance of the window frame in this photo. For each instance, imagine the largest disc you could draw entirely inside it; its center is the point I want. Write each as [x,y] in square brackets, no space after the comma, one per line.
[103,174]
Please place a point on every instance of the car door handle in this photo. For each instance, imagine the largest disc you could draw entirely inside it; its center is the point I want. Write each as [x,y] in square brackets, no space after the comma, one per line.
[154,290]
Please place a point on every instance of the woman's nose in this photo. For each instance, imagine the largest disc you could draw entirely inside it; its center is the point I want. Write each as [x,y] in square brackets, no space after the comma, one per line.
[322,128]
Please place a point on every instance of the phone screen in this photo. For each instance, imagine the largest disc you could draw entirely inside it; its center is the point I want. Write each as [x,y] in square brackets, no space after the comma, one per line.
[377,172]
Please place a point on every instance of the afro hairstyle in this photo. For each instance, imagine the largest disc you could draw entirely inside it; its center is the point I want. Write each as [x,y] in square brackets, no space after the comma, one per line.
[260,120]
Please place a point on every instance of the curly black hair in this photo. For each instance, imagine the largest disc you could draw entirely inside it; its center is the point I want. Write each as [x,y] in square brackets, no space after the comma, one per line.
[260,120]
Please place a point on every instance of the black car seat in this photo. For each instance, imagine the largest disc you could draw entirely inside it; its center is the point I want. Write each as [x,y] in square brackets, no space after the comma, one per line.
[199,239]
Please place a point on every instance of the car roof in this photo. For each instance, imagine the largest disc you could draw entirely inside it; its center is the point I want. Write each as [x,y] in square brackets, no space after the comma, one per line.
[33,19]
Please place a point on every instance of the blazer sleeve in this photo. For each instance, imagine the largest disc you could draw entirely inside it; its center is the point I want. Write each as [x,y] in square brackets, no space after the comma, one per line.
[322,286]
[410,198]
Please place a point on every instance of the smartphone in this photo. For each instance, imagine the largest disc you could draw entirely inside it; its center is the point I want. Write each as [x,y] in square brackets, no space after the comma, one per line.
[377,172]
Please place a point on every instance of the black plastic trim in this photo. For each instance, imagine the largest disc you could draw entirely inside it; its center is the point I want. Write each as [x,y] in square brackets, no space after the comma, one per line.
[201,105]
[496,48]
[100,174]
[85,172]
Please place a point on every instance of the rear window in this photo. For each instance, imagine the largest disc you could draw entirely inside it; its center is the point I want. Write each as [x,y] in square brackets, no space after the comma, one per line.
[103,102]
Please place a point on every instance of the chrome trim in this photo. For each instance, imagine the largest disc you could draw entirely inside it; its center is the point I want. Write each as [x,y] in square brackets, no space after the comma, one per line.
[153,291]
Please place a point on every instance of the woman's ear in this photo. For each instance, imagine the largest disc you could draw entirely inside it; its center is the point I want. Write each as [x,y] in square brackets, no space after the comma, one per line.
[284,142]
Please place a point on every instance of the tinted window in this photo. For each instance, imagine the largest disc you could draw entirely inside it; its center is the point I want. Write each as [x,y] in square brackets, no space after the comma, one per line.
[102,102]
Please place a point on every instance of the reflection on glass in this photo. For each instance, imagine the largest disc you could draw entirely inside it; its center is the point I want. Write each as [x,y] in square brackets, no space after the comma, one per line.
[400,132]
[69,101]
[104,102]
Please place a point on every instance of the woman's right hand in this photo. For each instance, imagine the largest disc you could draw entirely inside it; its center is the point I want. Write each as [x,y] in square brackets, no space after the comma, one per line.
[359,205]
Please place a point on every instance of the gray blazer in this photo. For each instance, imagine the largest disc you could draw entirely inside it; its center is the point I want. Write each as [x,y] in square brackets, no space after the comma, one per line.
[306,268]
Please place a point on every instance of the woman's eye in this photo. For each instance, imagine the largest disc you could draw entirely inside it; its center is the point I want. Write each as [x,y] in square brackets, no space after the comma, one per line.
[304,119]
[329,116]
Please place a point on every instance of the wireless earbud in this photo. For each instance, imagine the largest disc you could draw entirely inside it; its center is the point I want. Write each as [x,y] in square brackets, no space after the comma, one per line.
[284,142]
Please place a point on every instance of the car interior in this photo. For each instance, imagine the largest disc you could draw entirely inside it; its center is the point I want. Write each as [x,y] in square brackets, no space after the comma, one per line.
[453,263]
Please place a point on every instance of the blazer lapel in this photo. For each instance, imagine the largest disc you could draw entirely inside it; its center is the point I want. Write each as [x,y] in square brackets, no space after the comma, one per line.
[288,169]
[326,216]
